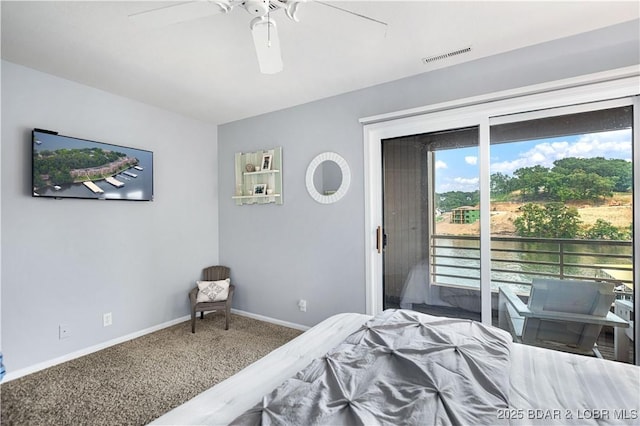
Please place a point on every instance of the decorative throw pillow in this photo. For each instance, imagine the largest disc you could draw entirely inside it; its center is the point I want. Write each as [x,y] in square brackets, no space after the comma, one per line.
[213,291]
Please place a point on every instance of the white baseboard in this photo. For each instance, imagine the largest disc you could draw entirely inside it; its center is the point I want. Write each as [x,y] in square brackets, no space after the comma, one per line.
[86,351]
[271,320]
[91,349]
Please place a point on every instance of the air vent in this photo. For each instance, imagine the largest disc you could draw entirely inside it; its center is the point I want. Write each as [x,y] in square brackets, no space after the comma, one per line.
[445,55]
[272,7]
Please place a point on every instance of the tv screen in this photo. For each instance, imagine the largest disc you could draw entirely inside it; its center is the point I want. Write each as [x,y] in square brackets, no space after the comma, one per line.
[66,167]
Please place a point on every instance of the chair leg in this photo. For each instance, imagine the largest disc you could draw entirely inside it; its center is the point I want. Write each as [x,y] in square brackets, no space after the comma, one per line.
[596,352]
[227,314]
[193,321]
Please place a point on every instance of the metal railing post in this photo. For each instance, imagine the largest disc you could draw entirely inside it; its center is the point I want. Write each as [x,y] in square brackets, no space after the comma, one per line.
[561,260]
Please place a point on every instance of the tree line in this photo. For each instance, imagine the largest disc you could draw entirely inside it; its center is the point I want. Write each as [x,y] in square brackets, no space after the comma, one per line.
[585,179]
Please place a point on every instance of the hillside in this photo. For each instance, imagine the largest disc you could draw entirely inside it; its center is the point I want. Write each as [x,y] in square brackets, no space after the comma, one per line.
[617,210]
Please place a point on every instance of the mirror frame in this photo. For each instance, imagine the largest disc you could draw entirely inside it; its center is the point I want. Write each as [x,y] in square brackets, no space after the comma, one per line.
[344,185]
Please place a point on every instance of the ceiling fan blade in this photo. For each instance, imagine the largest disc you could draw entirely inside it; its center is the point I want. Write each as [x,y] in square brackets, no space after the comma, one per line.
[359,15]
[290,7]
[180,12]
[265,38]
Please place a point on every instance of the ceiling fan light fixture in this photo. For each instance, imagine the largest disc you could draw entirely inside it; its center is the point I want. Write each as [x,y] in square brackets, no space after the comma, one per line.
[267,43]
[257,7]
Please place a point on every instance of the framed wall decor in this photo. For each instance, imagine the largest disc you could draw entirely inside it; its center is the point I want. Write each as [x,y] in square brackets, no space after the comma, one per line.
[260,189]
[266,161]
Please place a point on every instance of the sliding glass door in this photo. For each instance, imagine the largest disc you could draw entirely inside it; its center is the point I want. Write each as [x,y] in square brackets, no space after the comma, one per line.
[431,223]
[554,204]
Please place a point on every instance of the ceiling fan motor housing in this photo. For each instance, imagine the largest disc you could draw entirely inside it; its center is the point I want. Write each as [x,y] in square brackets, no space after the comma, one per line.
[257,7]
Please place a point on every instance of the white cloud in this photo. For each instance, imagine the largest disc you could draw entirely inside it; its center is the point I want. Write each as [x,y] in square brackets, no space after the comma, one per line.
[441,164]
[458,184]
[471,160]
[508,167]
[616,144]
[467,181]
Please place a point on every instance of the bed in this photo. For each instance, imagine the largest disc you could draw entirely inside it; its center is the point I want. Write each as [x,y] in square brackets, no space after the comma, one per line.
[404,367]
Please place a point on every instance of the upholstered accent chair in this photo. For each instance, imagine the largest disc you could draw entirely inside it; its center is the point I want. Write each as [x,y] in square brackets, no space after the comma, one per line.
[211,274]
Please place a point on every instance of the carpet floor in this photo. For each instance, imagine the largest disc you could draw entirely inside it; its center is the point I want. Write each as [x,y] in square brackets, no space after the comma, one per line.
[135,382]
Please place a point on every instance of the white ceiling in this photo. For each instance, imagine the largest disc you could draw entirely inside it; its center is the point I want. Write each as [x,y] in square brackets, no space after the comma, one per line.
[206,68]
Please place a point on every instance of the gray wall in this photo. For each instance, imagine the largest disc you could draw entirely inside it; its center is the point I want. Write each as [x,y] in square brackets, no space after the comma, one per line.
[70,261]
[302,249]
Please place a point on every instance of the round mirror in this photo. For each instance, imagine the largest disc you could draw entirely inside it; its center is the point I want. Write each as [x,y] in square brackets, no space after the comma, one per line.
[328,177]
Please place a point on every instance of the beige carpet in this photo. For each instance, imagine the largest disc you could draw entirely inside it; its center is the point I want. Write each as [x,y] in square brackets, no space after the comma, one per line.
[137,381]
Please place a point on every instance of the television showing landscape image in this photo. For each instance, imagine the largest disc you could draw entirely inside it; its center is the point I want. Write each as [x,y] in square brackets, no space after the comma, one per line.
[67,167]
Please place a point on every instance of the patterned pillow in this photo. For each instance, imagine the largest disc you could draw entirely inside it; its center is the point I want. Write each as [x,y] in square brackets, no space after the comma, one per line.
[213,291]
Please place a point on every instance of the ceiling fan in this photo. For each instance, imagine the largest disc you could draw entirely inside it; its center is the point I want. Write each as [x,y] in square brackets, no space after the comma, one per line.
[263,27]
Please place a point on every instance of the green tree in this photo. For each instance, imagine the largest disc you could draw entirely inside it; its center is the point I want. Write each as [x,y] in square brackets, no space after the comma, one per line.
[551,220]
[502,184]
[59,177]
[604,230]
[619,172]
[556,188]
[580,185]
[531,222]
[531,181]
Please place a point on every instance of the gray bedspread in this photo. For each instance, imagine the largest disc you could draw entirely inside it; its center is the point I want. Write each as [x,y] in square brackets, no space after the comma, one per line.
[401,368]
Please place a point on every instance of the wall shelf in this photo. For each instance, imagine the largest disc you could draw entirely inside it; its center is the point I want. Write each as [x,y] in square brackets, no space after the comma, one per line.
[268,180]
[239,197]
[261,172]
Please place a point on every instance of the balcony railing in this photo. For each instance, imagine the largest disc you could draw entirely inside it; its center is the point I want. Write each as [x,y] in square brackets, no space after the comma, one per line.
[455,261]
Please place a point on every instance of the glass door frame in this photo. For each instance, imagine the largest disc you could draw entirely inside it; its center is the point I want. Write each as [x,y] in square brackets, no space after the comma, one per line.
[482,111]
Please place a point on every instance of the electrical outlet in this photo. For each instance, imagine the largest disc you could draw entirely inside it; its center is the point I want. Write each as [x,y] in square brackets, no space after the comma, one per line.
[302,305]
[64,331]
[107,319]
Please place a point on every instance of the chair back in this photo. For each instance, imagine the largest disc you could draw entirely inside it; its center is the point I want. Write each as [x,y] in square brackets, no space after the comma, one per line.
[571,296]
[215,273]
[567,296]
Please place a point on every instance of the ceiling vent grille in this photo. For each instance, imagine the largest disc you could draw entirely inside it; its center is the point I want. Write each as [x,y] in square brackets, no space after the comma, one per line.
[445,55]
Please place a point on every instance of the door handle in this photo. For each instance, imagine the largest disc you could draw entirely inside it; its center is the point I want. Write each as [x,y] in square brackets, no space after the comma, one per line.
[379,239]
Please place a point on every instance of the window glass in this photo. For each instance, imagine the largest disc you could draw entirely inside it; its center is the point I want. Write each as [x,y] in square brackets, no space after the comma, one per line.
[431,222]
[562,209]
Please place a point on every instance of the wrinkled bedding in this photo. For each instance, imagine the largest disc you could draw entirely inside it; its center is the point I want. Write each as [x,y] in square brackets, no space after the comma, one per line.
[401,367]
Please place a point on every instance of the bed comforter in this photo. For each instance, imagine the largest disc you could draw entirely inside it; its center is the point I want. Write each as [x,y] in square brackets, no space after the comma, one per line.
[401,367]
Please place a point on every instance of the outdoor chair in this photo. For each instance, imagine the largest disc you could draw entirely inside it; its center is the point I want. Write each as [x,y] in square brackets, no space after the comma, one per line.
[565,315]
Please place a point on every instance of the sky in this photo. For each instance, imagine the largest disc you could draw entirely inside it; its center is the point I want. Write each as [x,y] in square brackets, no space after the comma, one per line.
[458,169]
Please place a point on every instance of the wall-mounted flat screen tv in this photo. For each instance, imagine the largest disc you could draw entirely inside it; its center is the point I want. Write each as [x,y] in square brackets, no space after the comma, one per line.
[67,167]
